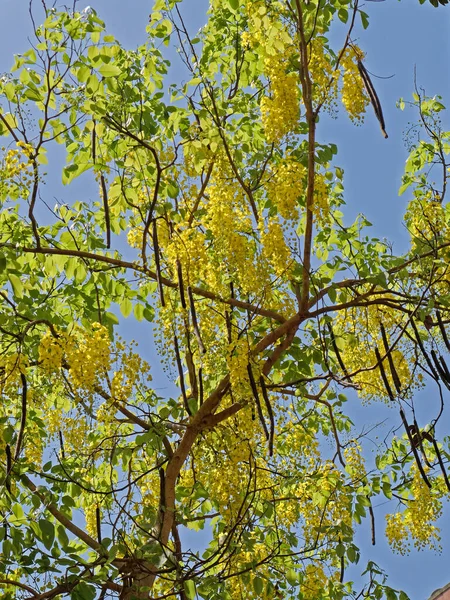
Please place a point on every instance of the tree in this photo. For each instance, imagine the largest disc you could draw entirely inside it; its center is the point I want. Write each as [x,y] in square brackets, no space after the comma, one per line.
[218,225]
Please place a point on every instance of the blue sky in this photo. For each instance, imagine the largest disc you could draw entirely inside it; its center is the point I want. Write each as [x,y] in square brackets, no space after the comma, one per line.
[403,38]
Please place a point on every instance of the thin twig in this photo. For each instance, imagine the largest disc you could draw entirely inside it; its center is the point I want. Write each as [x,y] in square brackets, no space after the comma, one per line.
[181,375]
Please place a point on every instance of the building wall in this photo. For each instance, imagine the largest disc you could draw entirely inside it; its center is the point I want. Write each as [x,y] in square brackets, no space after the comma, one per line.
[441,594]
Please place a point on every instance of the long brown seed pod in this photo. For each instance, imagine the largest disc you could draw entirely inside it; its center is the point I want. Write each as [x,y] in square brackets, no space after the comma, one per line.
[444,366]
[383,374]
[441,464]
[269,412]
[257,401]
[442,373]
[413,448]
[8,468]
[420,435]
[200,386]
[23,418]
[373,97]
[395,377]
[189,358]
[106,211]
[157,263]
[424,352]
[442,328]
[98,524]
[336,350]
[180,284]
[61,444]
[228,325]
[195,322]
[181,375]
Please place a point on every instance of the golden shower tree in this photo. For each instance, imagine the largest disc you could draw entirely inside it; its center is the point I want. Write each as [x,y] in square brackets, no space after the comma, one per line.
[216,221]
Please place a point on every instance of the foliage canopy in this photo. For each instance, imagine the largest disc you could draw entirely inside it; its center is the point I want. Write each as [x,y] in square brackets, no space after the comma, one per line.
[219,225]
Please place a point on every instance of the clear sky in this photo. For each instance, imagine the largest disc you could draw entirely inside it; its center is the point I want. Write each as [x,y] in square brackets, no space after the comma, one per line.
[403,38]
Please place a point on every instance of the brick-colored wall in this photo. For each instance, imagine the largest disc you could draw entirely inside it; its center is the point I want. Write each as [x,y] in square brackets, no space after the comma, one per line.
[441,594]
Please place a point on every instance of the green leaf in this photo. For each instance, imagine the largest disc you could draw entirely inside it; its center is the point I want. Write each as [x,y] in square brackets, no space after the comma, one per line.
[343,15]
[63,538]
[2,263]
[10,122]
[364,19]
[148,314]
[258,585]
[352,554]
[110,71]
[126,307]
[83,74]
[292,577]
[80,273]
[24,76]
[18,511]
[10,91]
[139,311]
[111,317]
[16,285]
[47,530]
[33,94]
[189,589]
[404,187]
[83,591]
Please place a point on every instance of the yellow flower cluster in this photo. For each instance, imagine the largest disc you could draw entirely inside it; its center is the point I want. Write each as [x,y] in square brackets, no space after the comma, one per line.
[321,206]
[34,445]
[371,382]
[90,515]
[354,460]
[323,497]
[16,177]
[106,413]
[267,32]
[26,149]
[75,430]
[417,520]
[134,237]
[130,371]
[87,354]
[286,186]
[229,223]
[275,249]
[189,247]
[358,332]
[148,486]
[270,39]
[54,420]
[237,587]
[323,74]
[353,94]
[11,367]
[426,220]
[52,350]
[238,359]
[332,506]
[314,582]
[280,111]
